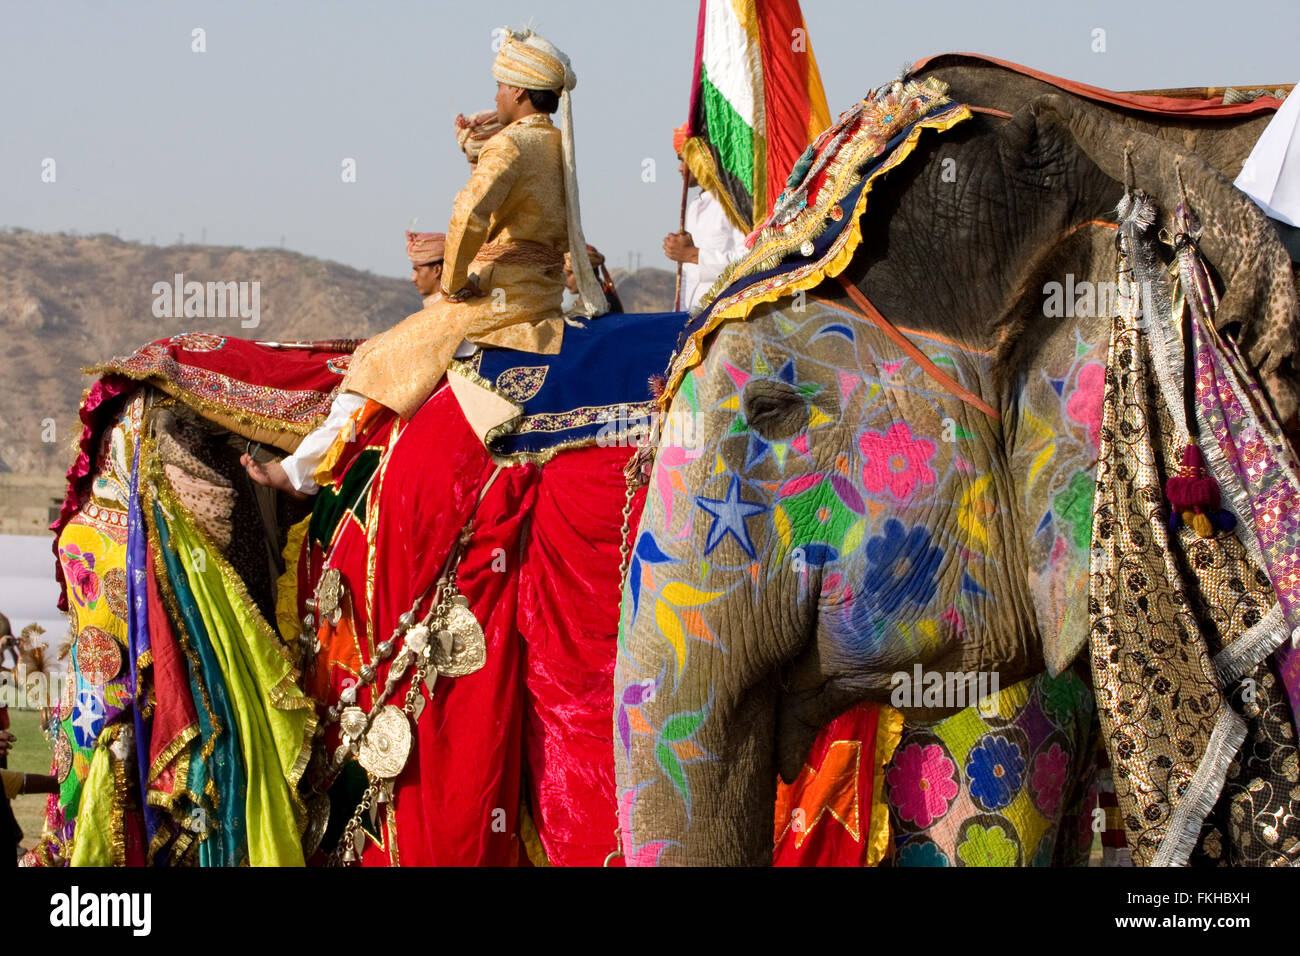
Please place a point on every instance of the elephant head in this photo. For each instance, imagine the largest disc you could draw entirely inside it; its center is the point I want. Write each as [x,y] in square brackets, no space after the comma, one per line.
[835,502]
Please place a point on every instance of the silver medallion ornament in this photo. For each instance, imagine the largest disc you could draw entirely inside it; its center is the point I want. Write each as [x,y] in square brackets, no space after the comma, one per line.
[353,722]
[460,649]
[329,596]
[387,743]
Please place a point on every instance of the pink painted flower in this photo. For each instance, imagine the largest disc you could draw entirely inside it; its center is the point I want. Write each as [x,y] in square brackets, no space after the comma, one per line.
[896,460]
[922,784]
[1084,406]
[1049,778]
[79,569]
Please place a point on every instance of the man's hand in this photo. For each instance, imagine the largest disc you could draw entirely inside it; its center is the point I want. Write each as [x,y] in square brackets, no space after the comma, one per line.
[7,740]
[680,247]
[470,291]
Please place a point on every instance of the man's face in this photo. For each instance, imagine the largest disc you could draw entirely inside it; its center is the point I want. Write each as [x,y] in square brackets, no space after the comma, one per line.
[685,172]
[507,102]
[428,277]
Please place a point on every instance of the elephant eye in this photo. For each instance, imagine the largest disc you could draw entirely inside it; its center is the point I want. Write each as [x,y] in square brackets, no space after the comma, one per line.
[774,409]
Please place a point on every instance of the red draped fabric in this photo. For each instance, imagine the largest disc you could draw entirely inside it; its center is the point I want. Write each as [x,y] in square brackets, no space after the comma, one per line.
[569,597]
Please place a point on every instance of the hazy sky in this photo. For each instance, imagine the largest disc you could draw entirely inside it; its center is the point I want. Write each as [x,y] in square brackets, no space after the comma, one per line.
[243,144]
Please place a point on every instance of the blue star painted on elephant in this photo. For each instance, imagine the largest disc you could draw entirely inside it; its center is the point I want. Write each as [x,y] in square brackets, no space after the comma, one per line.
[729,516]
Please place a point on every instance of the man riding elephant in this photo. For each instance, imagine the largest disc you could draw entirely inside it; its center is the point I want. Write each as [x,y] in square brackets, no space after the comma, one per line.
[511,227]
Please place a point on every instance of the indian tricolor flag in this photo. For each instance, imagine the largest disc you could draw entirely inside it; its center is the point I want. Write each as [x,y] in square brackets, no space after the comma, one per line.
[756,103]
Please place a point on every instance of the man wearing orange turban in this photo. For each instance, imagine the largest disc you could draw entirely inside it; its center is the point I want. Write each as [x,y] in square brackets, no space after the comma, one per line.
[707,243]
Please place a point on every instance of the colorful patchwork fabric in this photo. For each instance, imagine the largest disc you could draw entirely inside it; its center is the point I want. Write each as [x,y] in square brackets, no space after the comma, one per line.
[991,791]
[99,683]
[266,394]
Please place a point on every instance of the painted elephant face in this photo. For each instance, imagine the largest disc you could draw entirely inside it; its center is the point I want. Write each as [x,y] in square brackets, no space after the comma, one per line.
[828,514]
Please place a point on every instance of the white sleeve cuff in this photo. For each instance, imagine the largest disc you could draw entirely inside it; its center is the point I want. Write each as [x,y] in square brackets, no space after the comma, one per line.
[301,465]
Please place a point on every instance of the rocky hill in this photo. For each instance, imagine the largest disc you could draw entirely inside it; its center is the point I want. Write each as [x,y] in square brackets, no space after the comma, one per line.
[72,301]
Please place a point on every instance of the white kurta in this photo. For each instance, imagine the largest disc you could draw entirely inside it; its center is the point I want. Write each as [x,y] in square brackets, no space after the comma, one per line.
[718,241]
[1271,173]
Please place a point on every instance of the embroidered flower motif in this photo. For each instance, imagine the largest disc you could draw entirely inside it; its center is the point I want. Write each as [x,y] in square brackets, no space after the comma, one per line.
[1048,780]
[1084,406]
[901,565]
[922,853]
[922,784]
[198,341]
[79,569]
[987,847]
[996,768]
[895,459]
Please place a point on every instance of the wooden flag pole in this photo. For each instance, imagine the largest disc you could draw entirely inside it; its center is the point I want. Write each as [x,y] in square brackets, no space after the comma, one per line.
[681,227]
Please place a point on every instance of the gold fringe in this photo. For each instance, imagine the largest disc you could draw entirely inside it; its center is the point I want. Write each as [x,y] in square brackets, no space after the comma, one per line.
[265,429]
[286,585]
[889,731]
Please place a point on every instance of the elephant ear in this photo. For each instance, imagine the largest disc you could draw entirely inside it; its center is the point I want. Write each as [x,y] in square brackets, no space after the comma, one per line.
[1258,306]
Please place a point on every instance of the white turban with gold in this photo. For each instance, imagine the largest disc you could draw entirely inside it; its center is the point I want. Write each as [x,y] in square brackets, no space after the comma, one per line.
[530,62]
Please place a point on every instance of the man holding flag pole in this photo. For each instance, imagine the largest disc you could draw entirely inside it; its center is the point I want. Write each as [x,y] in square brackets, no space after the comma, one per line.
[756,103]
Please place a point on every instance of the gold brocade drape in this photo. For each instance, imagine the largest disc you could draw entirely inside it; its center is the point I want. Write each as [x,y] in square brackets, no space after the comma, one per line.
[1178,622]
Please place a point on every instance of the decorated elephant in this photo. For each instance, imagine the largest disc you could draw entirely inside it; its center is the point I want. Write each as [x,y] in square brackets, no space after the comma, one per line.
[915,459]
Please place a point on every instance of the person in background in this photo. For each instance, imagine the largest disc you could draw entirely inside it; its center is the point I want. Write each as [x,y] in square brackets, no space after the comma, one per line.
[16,783]
[709,241]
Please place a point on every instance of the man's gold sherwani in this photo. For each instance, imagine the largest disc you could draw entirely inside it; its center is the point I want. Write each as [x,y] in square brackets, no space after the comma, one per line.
[509,229]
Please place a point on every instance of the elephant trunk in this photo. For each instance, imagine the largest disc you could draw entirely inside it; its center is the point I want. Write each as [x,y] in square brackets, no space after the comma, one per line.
[710,801]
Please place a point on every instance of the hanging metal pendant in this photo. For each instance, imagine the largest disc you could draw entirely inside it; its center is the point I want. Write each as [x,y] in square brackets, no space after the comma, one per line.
[468,650]
[329,595]
[417,707]
[387,745]
[352,721]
